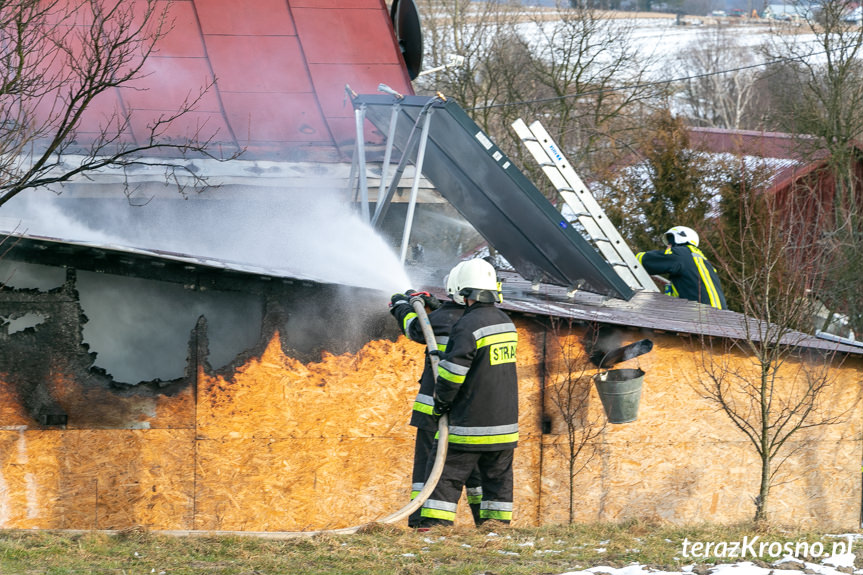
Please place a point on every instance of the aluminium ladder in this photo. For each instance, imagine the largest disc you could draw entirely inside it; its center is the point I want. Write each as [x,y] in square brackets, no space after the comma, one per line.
[587,210]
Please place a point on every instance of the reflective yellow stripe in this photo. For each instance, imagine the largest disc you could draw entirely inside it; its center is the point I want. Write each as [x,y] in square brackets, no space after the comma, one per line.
[483,439]
[438,514]
[706,280]
[497,338]
[449,376]
[474,499]
[495,514]
[423,407]
[407,320]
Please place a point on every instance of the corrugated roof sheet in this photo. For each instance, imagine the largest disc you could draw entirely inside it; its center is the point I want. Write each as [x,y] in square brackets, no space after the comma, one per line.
[648,310]
[129,261]
[280,69]
[783,154]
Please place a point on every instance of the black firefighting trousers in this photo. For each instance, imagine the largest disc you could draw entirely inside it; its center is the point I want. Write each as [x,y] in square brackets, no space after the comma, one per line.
[425,451]
[495,469]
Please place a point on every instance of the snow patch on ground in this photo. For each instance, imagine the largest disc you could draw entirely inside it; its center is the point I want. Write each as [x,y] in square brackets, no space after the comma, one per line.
[828,566]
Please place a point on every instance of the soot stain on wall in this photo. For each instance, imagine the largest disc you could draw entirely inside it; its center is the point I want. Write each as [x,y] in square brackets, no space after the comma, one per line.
[58,378]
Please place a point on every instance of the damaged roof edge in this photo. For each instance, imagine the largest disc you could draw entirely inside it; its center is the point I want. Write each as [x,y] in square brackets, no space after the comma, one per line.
[645,310]
[128,261]
[648,310]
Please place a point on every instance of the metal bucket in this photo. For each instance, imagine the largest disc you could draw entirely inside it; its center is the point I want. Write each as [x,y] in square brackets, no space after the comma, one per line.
[620,392]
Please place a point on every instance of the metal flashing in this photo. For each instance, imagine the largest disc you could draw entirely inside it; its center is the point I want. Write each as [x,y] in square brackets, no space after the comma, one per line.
[192,271]
[649,310]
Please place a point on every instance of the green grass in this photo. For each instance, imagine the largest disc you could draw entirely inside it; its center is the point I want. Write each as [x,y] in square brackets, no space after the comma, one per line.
[384,550]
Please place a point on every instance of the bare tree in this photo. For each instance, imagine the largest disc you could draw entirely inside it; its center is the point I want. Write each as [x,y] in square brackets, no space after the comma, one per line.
[589,83]
[827,111]
[714,95]
[58,57]
[574,67]
[568,388]
[477,33]
[769,387]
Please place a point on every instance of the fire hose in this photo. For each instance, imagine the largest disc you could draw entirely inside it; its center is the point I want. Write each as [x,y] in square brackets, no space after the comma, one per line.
[443,436]
[443,428]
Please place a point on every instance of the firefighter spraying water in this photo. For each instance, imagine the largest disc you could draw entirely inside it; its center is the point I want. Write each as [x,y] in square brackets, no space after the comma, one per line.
[442,316]
[477,386]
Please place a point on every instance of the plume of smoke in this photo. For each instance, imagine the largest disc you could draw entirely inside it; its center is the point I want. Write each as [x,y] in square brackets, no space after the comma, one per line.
[314,236]
[139,328]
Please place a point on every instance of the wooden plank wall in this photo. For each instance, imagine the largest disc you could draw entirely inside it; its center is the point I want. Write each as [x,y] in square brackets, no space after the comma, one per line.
[286,446]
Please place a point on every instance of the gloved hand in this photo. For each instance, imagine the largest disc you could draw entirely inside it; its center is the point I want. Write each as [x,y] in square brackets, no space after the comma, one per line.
[398,299]
[430,301]
[440,407]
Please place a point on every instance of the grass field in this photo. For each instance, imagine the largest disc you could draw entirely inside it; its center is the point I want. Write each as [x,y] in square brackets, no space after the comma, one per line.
[391,550]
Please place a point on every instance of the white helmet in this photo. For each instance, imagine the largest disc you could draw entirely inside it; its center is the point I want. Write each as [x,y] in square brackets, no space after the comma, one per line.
[450,283]
[679,235]
[477,280]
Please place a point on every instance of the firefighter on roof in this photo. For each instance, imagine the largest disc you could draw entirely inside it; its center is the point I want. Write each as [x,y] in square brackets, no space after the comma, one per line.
[692,276]
[478,386]
[442,316]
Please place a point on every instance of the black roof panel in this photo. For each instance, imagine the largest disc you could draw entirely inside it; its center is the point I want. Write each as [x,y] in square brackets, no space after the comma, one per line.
[491,193]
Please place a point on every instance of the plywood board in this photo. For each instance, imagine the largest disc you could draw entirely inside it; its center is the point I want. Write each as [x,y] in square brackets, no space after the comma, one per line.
[98,479]
[286,445]
[369,394]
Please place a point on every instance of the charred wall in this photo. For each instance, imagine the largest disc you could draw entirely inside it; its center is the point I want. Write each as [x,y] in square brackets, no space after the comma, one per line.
[314,413]
[32,356]
[142,323]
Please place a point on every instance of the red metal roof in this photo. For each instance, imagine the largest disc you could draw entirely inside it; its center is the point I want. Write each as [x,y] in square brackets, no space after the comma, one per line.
[796,160]
[745,142]
[280,69]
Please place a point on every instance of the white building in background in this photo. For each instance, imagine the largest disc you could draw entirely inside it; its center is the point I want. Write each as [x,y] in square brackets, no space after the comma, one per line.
[788,12]
[855,15]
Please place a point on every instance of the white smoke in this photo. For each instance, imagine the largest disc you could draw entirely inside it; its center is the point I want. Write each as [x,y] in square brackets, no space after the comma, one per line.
[312,236]
[139,328]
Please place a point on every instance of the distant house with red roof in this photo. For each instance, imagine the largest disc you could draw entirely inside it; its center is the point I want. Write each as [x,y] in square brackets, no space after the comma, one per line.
[799,176]
[795,167]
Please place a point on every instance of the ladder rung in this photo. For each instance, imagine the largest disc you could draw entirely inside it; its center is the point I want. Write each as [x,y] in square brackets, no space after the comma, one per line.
[581,199]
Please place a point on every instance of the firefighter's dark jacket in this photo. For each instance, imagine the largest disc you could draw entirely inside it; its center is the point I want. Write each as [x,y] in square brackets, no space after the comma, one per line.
[477,381]
[692,276]
[441,320]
